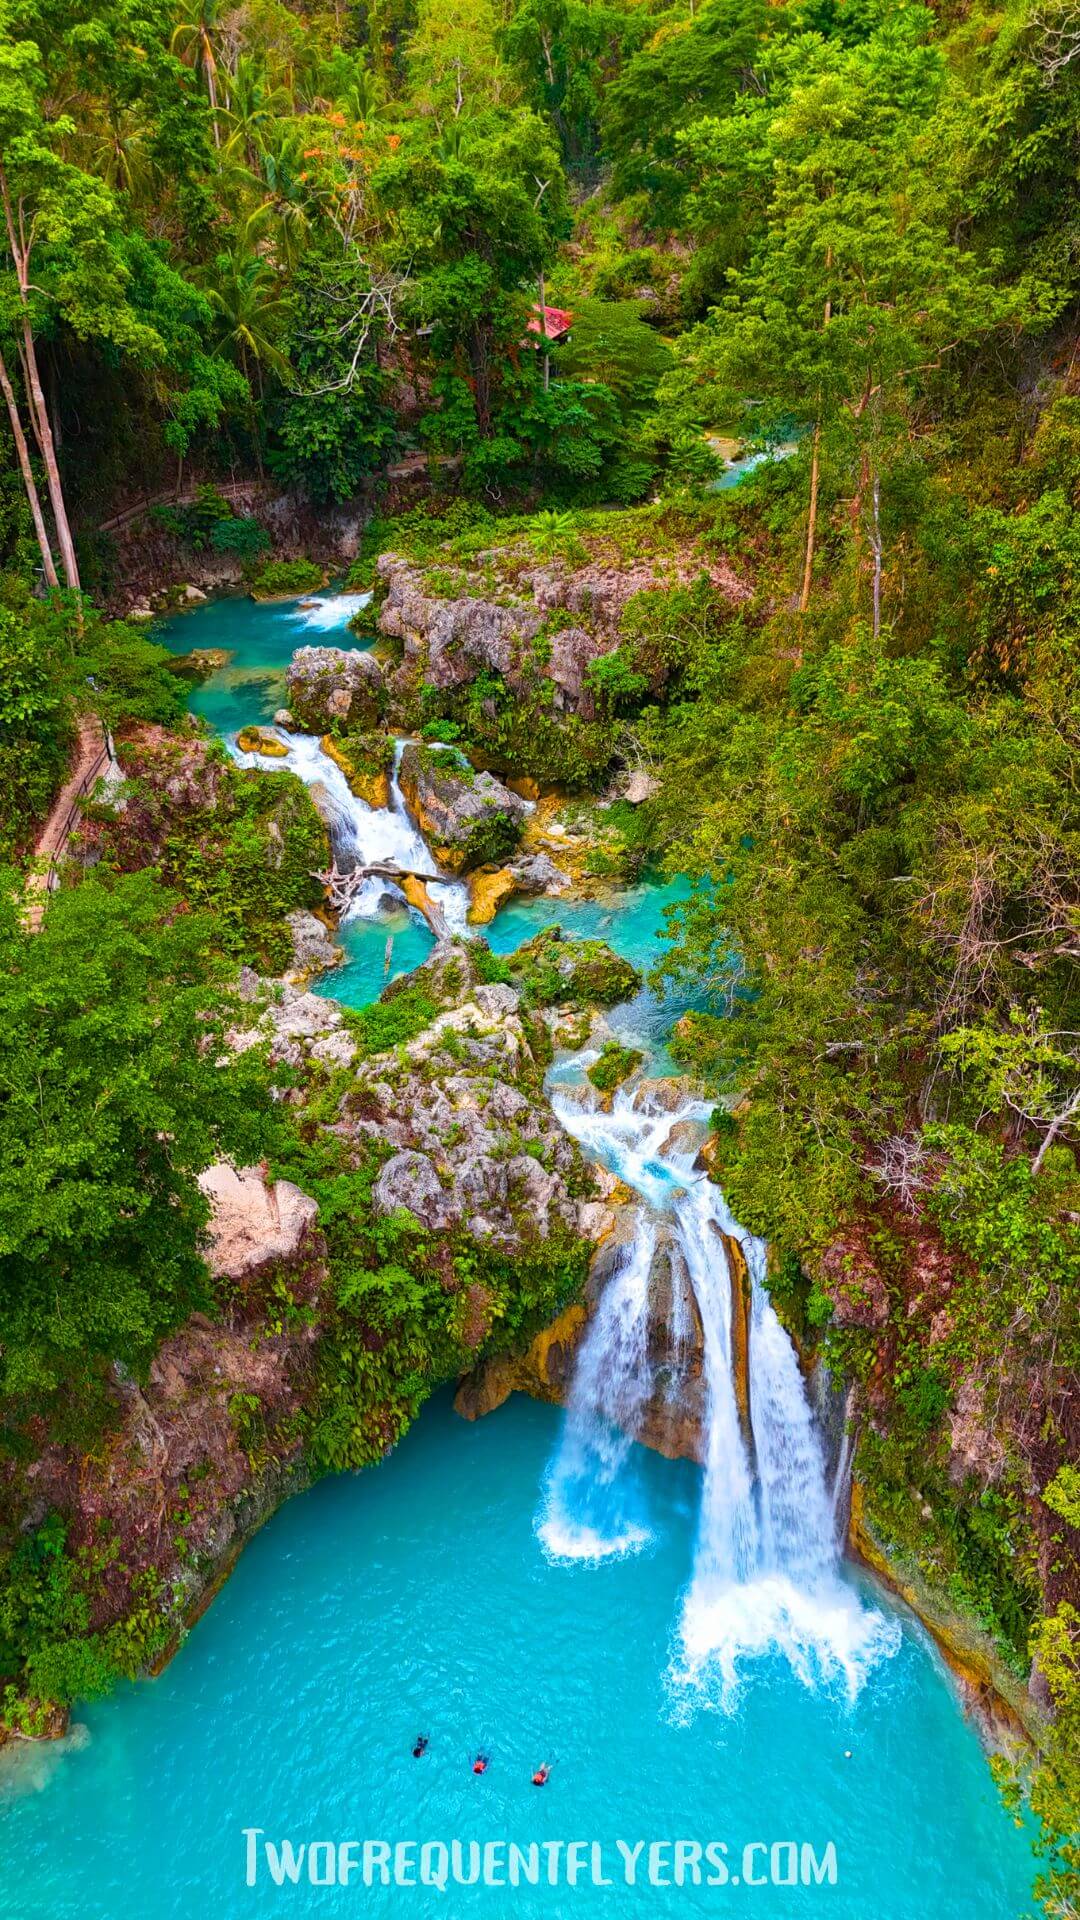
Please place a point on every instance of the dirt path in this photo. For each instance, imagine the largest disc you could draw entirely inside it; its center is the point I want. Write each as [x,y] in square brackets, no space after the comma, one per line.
[91,760]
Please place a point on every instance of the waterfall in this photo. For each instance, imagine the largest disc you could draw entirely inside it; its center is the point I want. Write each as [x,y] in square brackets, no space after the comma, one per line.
[361,835]
[592,1511]
[766,1579]
[330,612]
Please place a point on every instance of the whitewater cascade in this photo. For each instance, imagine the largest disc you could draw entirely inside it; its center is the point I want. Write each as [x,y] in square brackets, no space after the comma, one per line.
[766,1575]
[360,835]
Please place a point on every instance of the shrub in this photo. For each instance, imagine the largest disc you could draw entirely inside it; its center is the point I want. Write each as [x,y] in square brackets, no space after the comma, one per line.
[616,1064]
[286,577]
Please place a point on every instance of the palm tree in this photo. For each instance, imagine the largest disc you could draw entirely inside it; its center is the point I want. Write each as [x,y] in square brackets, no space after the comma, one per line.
[244,293]
[255,106]
[284,214]
[116,150]
[195,40]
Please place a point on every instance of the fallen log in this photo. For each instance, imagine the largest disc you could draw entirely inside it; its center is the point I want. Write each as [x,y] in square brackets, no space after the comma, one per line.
[342,888]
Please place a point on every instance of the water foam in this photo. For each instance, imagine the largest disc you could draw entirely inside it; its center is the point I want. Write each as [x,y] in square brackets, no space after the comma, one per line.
[766,1582]
[362,835]
[592,1508]
[330,612]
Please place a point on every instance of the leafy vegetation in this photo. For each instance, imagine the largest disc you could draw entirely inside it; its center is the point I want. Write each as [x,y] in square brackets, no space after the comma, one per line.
[616,1064]
[255,244]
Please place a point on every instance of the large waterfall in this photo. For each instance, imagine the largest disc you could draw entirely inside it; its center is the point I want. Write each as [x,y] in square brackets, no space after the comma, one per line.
[766,1576]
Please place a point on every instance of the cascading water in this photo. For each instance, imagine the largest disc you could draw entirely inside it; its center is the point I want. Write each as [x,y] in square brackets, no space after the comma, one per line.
[363,835]
[330,612]
[593,1510]
[766,1578]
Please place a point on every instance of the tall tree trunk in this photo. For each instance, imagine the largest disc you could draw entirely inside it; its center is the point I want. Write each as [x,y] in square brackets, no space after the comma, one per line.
[29,482]
[811,525]
[815,467]
[39,413]
[544,333]
[21,241]
[211,88]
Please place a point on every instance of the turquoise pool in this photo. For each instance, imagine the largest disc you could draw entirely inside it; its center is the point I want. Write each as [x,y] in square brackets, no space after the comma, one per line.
[417,1598]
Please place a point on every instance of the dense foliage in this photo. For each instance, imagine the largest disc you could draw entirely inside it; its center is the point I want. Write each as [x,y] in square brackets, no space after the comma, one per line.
[298,246]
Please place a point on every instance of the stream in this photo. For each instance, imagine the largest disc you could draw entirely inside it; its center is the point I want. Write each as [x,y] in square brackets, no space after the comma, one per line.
[685,1646]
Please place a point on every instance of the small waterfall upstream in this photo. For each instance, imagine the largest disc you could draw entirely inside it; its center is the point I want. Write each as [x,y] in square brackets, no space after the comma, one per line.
[361,835]
[766,1577]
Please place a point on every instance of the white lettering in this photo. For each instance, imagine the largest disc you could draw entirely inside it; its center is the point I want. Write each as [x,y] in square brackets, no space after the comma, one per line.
[434,1865]
[631,1856]
[814,1871]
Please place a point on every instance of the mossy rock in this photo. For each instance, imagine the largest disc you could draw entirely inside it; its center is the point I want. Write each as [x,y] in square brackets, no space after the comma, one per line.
[369,783]
[254,740]
[201,662]
[616,1064]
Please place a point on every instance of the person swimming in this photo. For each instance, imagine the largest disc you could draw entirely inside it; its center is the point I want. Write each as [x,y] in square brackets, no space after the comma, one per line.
[480,1764]
[542,1775]
[421,1746]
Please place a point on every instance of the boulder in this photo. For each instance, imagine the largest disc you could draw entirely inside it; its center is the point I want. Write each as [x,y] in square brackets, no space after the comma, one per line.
[313,949]
[454,640]
[409,1180]
[252,1223]
[254,740]
[200,663]
[334,683]
[470,818]
[538,873]
[487,891]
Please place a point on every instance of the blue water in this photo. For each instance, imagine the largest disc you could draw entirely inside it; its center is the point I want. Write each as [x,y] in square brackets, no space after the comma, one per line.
[418,1597]
[262,638]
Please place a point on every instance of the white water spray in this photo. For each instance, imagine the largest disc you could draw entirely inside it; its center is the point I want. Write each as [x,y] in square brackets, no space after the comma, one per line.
[360,835]
[592,1510]
[766,1578]
[330,612]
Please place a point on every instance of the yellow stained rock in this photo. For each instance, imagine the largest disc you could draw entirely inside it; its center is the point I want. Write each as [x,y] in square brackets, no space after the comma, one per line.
[525,786]
[254,740]
[372,788]
[418,896]
[487,891]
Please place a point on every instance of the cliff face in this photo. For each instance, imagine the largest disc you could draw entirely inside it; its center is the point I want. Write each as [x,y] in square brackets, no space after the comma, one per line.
[513,616]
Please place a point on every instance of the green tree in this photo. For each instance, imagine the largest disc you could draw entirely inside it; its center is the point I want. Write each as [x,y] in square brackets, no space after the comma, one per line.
[113,1096]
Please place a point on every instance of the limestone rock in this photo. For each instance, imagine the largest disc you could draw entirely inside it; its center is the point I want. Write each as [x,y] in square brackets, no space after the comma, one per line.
[313,949]
[252,1223]
[410,1180]
[334,1049]
[254,740]
[487,891]
[334,683]
[538,873]
[470,818]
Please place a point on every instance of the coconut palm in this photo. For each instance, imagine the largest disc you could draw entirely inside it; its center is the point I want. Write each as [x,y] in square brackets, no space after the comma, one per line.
[244,293]
[196,39]
[256,105]
[116,149]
